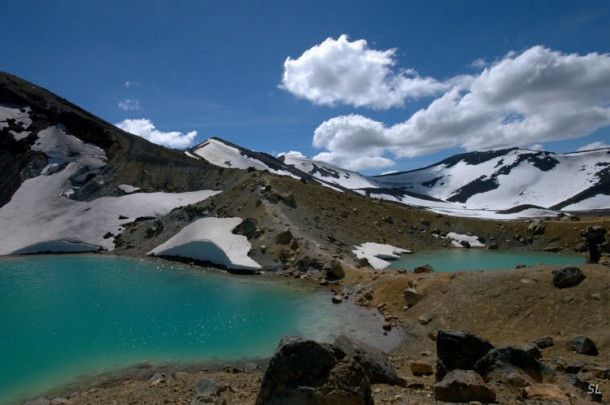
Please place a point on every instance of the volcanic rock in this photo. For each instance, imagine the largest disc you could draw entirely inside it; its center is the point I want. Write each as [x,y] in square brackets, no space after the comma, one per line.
[374,361]
[583,345]
[463,386]
[307,372]
[458,350]
[567,277]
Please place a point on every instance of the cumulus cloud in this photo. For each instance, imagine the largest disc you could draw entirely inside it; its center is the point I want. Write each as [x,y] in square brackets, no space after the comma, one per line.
[129,104]
[293,153]
[536,96]
[593,145]
[145,128]
[349,72]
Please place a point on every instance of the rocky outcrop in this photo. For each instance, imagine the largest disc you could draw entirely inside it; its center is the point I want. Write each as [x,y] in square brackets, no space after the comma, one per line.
[463,386]
[458,350]
[307,372]
[375,362]
[567,277]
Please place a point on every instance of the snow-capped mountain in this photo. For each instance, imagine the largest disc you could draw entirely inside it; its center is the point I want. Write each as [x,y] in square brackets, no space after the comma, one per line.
[511,178]
[500,183]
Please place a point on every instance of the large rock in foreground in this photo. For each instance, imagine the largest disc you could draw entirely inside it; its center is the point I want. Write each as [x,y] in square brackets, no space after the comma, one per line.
[463,386]
[375,363]
[458,350]
[307,372]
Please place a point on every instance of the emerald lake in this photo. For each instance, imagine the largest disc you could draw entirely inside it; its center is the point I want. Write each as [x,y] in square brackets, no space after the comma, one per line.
[72,315]
[481,259]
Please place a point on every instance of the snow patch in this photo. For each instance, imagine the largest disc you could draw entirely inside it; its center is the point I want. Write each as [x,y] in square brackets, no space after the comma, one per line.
[127,188]
[456,238]
[21,115]
[377,254]
[211,240]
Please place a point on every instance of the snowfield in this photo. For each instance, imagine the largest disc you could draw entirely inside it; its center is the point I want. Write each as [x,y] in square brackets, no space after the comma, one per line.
[211,240]
[40,217]
[377,253]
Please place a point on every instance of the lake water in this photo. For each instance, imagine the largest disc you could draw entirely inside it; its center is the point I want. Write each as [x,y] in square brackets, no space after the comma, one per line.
[481,259]
[67,316]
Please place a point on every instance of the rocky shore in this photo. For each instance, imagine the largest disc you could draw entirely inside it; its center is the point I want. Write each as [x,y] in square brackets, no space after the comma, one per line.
[530,335]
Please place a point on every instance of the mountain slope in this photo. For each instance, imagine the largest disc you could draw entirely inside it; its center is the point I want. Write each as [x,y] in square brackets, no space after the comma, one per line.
[496,184]
[504,179]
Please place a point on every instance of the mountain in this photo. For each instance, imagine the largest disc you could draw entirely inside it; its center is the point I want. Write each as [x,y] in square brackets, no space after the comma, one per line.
[505,183]
[71,182]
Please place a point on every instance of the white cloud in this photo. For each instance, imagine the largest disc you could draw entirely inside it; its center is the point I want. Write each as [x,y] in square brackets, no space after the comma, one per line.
[479,63]
[293,153]
[340,71]
[129,84]
[129,104]
[145,128]
[593,145]
[536,96]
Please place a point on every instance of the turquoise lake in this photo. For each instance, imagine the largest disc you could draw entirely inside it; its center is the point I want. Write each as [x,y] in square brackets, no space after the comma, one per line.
[481,259]
[67,316]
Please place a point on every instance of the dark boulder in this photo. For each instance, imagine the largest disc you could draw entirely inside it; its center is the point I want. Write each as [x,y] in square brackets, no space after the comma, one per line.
[463,386]
[458,350]
[374,361]
[307,372]
[532,349]
[567,277]
[583,345]
[544,341]
[500,362]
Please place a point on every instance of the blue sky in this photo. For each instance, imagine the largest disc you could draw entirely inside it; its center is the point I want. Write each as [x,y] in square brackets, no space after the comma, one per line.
[218,68]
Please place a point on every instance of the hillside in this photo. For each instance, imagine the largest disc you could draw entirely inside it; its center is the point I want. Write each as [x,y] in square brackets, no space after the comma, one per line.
[72,182]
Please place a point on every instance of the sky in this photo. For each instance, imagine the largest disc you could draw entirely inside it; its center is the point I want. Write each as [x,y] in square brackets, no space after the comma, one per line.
[373,86]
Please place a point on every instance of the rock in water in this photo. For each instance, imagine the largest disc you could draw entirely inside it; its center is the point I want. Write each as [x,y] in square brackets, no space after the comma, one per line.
[463,386]
[583,345]
[375,362]
[567,277]
[303,371]
[458,350]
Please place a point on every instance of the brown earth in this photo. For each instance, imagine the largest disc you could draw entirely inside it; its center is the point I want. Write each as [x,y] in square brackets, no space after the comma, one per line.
[506,307]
